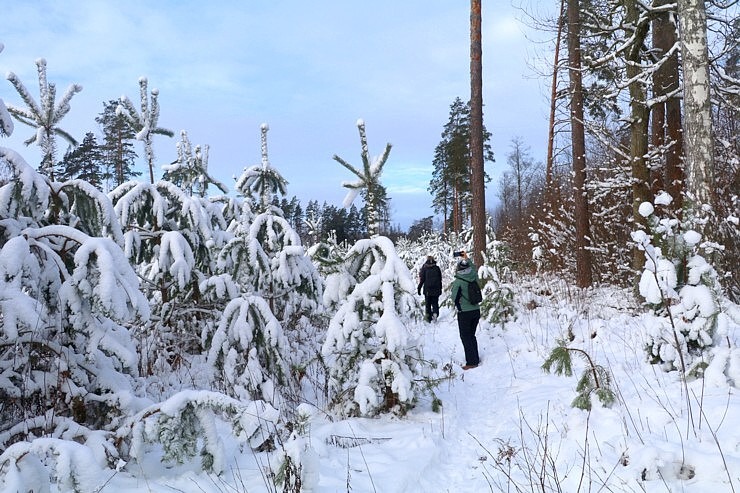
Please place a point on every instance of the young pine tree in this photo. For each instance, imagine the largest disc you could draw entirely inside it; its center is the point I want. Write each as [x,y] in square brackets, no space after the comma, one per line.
[373,362]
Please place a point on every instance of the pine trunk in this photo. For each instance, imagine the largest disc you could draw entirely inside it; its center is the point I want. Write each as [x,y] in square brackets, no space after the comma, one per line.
[666,114]
[578,146]
[639,121]
[477,185]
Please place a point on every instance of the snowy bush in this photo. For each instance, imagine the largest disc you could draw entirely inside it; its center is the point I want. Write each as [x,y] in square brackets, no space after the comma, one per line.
[371,358]
[32,467]
[246,351]
[265,255]
[187,425]
[66,299]
[497,306]
[171,238]
[328,257]
[298,470]
[682,288]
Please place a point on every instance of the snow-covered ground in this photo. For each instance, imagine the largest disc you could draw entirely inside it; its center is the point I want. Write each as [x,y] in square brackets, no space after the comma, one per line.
[509,426]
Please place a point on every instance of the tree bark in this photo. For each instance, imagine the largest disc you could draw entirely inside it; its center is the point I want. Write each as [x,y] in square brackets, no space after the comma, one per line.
[477,184]
[578,147]
[639,122]
[698,129]
[666,115]
[553,105]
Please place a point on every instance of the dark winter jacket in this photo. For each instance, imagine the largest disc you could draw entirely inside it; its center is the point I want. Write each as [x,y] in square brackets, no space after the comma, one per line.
[430,277]
[460,287]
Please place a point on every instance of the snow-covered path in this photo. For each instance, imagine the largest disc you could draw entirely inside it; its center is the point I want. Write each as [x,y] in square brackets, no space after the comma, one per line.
[479,407]
[509,426]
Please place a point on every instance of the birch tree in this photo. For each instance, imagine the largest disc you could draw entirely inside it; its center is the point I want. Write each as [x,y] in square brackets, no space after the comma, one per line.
[698,130]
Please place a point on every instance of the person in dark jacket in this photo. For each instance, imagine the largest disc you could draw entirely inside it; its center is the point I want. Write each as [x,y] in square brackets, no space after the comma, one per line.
[468,313]
[430,278]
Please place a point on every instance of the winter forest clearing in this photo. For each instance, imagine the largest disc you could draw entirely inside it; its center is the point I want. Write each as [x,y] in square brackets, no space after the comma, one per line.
[165,334]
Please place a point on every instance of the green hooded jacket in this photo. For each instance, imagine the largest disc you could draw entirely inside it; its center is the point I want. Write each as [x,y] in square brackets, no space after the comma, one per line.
[460,287]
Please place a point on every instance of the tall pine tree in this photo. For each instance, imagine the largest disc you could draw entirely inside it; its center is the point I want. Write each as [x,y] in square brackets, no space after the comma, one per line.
[450,184]
[117,149]
[84,162]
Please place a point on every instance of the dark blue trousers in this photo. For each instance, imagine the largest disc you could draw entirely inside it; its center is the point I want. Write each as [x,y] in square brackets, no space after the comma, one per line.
[467,322]
[431,305]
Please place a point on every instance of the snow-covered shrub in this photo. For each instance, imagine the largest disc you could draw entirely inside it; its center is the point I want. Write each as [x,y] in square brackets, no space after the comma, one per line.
[171,239]
[266,260]
[373,362]
[187,426]
[66,299]
[681,287]
[265,256]
[414,253]
[70,466]
[328,257]
[298,470]
[497,306]
[246,352]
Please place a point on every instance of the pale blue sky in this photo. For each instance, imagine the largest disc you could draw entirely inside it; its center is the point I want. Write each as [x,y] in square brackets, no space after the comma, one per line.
[308,69]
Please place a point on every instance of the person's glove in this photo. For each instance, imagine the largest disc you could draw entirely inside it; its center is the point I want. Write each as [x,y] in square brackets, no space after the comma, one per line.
[418,290]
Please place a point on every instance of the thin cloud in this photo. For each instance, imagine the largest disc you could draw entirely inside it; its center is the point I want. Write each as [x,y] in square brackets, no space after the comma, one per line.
[309,69]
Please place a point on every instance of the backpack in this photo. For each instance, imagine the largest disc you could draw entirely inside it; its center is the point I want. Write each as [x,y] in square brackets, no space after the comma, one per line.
[433,280]
[474,293]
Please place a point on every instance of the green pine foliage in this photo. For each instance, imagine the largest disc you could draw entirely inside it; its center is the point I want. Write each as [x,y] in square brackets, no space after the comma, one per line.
[83,205]
[246,352]
[185,426]
[450,183]
[595,379]
[83,162]
[117,148]
[374,366]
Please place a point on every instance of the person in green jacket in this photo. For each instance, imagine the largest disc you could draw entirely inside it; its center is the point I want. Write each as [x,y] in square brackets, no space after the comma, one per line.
[468,313]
